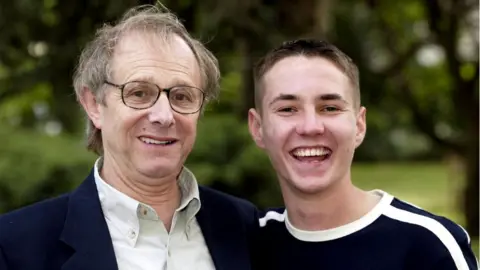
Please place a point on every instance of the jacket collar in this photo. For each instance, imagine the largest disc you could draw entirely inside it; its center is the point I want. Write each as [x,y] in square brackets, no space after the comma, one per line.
[86,231]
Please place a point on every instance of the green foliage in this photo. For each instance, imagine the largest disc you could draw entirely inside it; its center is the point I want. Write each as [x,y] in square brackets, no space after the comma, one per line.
[467,71]
[19,105]
[34,166]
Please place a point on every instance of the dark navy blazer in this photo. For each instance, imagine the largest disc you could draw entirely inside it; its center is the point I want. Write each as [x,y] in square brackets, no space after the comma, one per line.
[70,233]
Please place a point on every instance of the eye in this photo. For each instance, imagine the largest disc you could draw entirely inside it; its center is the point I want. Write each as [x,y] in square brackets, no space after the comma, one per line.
[139,90]
[181,97]
[139,93]
[330,108]
[185,94]
[287,110]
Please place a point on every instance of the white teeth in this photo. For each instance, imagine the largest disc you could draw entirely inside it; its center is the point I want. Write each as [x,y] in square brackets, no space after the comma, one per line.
[311,152]
[152,141]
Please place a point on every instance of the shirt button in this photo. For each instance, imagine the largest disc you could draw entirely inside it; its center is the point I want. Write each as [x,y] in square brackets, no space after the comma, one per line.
[132,234]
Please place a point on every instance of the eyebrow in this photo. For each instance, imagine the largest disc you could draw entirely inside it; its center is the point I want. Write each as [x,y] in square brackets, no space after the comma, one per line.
[284,97]
[151,79]
[325,97]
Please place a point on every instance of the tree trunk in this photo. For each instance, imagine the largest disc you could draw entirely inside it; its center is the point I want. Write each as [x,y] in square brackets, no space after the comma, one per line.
[247,87]
[471,194]
[323,21]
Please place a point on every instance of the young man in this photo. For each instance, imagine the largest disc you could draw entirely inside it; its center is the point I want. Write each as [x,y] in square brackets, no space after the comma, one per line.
[309,120]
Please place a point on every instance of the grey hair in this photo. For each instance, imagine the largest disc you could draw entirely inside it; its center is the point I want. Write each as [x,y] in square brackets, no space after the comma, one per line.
[94,63]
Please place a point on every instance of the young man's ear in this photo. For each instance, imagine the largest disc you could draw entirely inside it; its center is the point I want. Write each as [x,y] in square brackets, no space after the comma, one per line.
[255,127]
[91,107]
[361,126]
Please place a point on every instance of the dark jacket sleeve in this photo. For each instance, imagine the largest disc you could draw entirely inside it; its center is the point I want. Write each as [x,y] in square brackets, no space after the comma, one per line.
[464,261]
[3,260]
[460,257]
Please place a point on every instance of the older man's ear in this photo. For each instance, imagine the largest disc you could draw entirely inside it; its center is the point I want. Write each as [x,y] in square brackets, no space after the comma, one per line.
[92,108]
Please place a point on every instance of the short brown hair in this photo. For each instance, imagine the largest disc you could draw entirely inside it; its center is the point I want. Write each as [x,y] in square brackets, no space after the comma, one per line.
[307,48]
[94,63]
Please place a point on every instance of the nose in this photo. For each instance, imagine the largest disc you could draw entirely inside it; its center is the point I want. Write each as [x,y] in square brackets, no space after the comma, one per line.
[310,124]
[161,112]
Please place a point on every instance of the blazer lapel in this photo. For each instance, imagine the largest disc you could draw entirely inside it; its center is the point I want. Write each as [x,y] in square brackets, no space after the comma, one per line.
[224,233]
[86,231]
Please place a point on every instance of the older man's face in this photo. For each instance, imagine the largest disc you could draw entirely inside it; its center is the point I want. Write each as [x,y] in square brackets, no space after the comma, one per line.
[155,141]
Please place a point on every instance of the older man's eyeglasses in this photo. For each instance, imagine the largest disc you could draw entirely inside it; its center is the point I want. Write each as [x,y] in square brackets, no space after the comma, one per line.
[142,95]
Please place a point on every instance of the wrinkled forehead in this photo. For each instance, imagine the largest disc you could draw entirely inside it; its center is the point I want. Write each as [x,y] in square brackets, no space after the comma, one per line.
[137,48]
[157,41]
[306,78]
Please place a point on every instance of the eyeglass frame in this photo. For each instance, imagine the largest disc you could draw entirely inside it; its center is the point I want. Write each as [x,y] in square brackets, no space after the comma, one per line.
[160,90]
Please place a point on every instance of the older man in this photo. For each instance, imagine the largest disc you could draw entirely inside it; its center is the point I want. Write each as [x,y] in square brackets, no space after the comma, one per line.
[143,84]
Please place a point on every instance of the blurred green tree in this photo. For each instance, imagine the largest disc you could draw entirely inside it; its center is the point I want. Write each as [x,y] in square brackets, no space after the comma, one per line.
[419,78]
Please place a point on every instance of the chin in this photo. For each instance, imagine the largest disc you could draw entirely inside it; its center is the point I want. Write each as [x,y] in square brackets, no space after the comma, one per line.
[310,184]
[158,168]
[157,173]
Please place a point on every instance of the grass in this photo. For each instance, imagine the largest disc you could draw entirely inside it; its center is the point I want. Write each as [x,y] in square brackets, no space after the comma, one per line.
[431,186]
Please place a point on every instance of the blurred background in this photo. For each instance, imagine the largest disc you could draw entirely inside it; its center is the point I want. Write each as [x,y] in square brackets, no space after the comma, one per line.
[418,62]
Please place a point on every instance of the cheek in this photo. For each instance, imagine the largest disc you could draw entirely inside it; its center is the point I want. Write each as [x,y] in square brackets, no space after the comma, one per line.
[119,121]
[343,130]
[187,127]
[276,134]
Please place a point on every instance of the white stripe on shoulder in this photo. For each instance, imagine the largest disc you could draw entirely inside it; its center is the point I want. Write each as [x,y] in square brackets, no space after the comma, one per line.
[466,233]
[272,215]
[435,227]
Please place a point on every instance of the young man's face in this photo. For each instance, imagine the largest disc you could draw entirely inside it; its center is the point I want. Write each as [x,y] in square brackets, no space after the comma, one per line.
[308,124]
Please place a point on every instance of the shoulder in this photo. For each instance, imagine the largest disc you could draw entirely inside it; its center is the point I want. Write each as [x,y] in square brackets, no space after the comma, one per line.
[216,198]
[442,227]
[38,220]
[439,237]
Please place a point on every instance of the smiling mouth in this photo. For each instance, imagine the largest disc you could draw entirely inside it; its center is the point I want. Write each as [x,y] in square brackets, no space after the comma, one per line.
[151,141]
[311,154]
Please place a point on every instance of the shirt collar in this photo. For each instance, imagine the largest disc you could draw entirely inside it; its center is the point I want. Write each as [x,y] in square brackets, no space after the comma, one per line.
[130,210]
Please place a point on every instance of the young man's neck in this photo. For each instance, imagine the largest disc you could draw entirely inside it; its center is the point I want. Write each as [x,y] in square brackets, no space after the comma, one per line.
[333,207]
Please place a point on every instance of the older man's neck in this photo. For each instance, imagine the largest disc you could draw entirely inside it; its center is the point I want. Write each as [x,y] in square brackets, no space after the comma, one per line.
[164,197]
[336,206]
